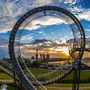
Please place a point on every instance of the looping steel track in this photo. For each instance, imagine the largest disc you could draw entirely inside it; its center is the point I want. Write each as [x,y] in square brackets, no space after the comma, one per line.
[23,74]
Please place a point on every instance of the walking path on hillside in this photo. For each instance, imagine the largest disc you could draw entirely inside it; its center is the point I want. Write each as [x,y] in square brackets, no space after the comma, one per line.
[65,88]
[6,81]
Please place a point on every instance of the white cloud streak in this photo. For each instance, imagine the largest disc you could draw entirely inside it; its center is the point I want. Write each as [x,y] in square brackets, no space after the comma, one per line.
[85,15]
[44,21]
[27,37]
[88,30]
[70,1]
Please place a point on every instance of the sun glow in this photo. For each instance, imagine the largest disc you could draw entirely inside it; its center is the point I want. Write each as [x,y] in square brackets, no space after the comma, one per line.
[60,49]
[63,50]
[66,51]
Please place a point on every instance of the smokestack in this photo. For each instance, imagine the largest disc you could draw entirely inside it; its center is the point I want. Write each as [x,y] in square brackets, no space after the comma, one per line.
[47,56]
[36,54]
[43,56]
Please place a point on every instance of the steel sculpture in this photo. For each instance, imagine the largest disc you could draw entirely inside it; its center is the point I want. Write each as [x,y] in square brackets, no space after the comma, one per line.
[18,64]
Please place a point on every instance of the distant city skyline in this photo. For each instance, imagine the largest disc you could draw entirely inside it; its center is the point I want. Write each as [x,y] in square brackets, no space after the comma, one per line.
[54,53]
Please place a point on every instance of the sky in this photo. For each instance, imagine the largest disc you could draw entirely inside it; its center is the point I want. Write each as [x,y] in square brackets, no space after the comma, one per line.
[12,10]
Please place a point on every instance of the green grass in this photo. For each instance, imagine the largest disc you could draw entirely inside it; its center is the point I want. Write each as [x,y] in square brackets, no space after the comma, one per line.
[37,71]
[60,89]
[57,85]
[84,77]
[68,85]
[10,88]
[4,77]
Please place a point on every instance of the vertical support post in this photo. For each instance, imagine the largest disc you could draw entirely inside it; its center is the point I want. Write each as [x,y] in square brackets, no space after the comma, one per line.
[44,11]
[76,75]
[15,84]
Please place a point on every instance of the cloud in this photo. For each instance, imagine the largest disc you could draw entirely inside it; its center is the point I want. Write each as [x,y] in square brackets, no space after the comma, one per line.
[44,21]
[87,30]
[70,1]
[3,47]
[76,10]
[85,15]
[3,10]
[80,13]
[40,32]
[26,38]
[43,2]
[3,51]
[12,10]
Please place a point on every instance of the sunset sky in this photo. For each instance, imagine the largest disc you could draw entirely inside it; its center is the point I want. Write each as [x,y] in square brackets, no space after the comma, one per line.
[48,28]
